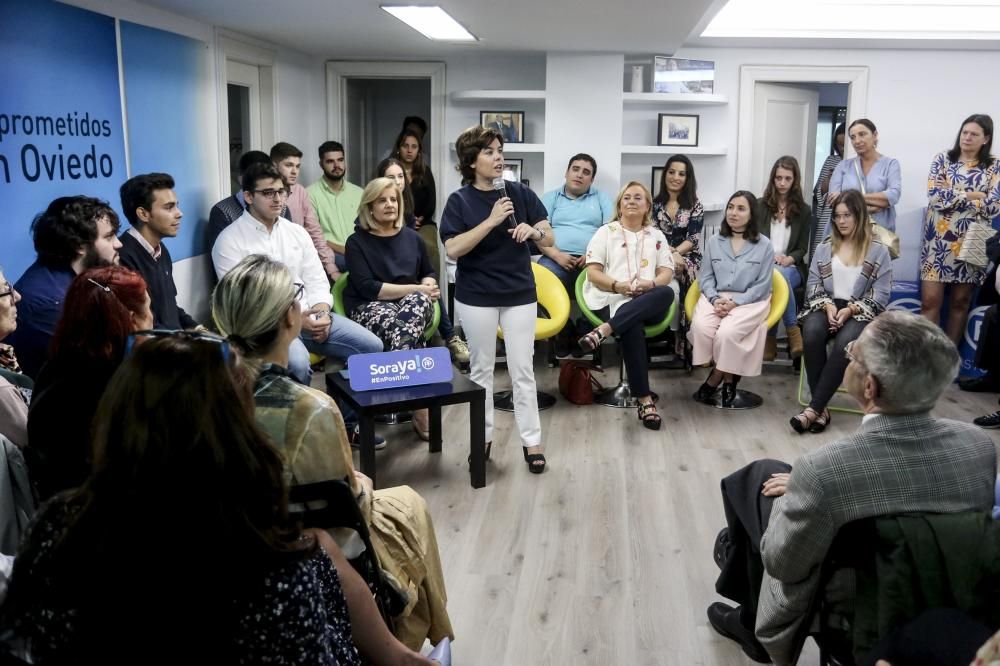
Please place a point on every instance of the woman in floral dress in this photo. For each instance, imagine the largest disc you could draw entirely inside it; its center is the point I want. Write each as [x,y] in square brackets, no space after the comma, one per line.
[680,216]
[963,186]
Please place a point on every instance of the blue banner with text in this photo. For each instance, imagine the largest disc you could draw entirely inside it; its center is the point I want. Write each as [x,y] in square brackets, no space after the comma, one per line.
[395,369]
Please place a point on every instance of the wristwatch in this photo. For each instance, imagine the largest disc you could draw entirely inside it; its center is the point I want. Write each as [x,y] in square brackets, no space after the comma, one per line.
[541,234]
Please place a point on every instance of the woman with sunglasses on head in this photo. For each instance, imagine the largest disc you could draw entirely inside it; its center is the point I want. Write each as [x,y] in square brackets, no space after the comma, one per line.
[103,307]
[393,169]
[849,281]
[963,188]
[256,306]
[875,175]
[179,543]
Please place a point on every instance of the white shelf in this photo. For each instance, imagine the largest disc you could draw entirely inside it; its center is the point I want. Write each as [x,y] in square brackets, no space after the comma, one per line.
[515,147]
[690,99]
[486,95]
[670,150]
[712,207]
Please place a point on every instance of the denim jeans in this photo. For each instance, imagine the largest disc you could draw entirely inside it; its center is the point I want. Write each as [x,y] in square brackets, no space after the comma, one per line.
[567,277]
[346,338]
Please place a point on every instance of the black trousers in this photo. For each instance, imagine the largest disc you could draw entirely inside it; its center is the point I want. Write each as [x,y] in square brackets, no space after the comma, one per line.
[747,515]
[937,637]
[643,310]
[825,373]
[988,348]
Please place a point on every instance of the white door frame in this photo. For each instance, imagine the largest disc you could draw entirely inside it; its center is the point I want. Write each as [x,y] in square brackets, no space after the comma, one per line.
[230,48]
[338,71]
[856,78]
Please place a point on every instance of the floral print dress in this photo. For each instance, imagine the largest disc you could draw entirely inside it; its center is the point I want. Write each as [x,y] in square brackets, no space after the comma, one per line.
[949,214]
[685,226]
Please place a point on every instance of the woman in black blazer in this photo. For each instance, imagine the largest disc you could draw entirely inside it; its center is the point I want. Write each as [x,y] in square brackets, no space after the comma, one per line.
[785,220]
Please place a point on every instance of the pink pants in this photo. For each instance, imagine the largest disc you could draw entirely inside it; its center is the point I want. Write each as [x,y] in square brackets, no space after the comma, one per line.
[735,342]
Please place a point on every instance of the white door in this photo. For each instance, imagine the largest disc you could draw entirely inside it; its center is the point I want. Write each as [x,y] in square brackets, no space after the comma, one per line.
[243,113]
[784,123]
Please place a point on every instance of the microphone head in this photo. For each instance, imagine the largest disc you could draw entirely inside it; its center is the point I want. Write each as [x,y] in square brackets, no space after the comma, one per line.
[499,184]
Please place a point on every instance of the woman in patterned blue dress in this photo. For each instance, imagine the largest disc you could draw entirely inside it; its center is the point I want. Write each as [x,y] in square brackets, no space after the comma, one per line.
[963,186]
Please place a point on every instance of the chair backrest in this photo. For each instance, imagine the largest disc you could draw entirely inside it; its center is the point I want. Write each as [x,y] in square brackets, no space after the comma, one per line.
[779,298]
[909,563]
[338,305]
[330,504]
[552,298]
[650,331]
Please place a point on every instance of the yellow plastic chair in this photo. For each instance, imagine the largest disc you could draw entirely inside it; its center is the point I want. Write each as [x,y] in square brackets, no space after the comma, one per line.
[552,297]
[779,301]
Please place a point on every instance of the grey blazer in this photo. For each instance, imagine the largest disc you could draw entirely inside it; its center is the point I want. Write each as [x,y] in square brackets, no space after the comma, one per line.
[892,464]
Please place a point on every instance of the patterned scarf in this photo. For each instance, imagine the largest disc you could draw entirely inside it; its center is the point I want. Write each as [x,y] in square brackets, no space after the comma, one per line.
[7,359]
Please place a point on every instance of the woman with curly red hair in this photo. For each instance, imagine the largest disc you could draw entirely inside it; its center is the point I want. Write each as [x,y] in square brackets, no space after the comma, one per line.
[102,308]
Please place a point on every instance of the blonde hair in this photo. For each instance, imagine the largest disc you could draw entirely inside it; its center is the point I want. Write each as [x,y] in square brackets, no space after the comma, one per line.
[373,190]
[648,219]
[861,238]
[249,303]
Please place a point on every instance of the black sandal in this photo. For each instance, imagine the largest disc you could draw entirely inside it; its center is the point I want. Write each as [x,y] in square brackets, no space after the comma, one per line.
[801,422]
[647,414]
[591,341]
[532,458]
[821,422]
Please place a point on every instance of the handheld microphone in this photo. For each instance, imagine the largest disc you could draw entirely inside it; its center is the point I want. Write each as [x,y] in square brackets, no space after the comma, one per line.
[499,185]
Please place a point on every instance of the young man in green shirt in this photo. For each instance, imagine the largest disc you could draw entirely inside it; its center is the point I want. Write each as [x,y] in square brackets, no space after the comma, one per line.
[335,200]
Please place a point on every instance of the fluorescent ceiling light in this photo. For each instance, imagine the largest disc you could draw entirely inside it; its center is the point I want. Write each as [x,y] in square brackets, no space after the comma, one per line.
[432,22]
[864,19]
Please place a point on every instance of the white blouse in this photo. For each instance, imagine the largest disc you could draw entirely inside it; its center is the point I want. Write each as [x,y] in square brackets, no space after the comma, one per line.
[844,278]
[625,255]
[780,233]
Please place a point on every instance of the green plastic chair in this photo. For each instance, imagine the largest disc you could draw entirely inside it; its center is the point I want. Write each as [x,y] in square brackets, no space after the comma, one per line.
[338,305]
[620,395]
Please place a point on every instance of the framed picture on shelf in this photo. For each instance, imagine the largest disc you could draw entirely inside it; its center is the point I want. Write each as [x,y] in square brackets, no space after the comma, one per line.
[512,169]
[680,75]
[509,123]
[656,179]
[677,129]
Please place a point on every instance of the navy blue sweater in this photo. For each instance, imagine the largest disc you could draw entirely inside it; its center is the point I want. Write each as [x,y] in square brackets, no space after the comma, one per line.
[497,272]
[159,277]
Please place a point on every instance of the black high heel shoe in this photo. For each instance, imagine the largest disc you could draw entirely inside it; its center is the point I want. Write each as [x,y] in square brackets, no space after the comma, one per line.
[706,394]
[486,456]
[728,393]
[820,423]
[533,460]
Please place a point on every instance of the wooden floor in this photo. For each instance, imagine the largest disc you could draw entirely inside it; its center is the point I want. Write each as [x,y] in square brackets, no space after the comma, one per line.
[605,558]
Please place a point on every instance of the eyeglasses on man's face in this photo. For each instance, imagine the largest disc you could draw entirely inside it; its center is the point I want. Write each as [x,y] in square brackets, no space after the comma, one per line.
[6,289]
[273,194]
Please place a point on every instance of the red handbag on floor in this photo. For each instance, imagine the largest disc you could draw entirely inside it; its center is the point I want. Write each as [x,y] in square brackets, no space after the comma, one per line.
[577,383]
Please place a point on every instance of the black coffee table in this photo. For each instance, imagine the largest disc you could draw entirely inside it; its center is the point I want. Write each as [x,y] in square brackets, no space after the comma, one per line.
[369,404]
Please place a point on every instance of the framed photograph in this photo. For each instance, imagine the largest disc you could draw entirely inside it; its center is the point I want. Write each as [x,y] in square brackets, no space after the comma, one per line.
[678,129]
[655,180]
[510,124]
[680,75]
[512,169]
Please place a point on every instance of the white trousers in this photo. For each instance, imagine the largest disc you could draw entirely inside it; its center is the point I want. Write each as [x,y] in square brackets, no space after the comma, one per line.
[518,324]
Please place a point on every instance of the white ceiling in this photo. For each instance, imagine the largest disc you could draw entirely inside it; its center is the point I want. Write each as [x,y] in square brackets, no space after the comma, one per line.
[358,28]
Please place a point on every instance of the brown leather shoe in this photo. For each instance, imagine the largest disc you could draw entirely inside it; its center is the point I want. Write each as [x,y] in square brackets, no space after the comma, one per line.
[794,341]
[771,348]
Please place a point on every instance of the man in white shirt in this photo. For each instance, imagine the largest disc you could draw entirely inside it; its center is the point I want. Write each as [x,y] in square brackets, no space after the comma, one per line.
[262,230]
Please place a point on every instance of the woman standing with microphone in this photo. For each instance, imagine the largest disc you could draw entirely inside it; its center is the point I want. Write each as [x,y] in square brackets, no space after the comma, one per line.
[485,230]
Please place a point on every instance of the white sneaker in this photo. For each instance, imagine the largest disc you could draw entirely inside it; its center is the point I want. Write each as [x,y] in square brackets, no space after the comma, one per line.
[458,349]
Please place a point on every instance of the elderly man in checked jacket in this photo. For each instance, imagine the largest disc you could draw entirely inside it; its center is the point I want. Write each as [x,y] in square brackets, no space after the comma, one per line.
[783,520]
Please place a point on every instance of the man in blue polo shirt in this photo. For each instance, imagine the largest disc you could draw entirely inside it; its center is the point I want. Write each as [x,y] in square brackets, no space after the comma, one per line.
[576,210]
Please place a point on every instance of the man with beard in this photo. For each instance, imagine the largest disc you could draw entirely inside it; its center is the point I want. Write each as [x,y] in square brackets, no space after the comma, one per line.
[72,235]
[335,199]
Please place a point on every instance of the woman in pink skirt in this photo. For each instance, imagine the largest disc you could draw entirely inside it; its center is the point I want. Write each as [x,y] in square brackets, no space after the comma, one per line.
[729,322]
